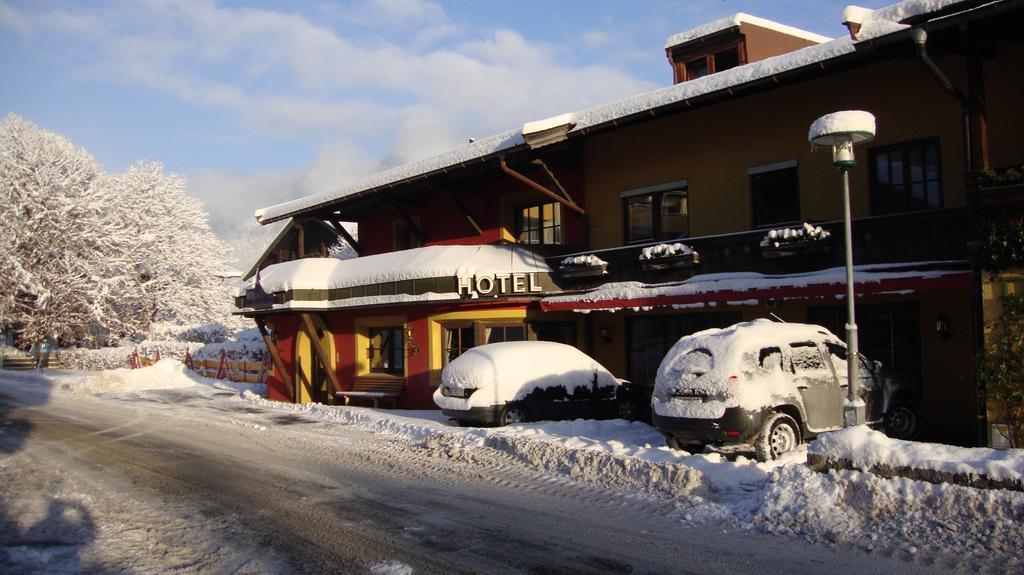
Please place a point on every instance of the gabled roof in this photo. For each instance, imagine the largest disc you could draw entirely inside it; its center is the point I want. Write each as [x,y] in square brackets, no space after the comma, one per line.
[279,238]
[877,24]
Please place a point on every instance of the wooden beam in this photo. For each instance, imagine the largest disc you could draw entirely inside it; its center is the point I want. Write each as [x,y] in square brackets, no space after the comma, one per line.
[261,324]
[464,210]
[558,184]
[564,201]
[421,238]
[321,353]
[344,233]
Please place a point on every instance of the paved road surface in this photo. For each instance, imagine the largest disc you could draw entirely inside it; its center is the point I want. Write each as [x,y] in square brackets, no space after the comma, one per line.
[118,485]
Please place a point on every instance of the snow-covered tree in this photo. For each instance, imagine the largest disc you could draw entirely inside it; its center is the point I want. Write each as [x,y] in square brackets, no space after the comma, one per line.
[176,256]
[55,275]
[86,256]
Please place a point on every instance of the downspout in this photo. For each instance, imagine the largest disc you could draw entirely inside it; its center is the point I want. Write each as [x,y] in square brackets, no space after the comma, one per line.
[920,38]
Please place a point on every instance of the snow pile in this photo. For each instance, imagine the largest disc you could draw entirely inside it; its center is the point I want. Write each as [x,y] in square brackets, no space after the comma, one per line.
[806,232]
[957,528]
[665,251]
[865,448]
[586,260]
[418,263]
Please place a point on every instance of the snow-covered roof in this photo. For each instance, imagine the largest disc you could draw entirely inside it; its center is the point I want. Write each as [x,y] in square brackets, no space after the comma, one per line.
[748,288]
[737,19]
[418,263]
[876,24]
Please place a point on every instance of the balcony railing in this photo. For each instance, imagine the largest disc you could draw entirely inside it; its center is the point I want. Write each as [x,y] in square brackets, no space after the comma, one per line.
[918,236]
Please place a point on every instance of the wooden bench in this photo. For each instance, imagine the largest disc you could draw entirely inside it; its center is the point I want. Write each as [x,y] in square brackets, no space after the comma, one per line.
[376,389]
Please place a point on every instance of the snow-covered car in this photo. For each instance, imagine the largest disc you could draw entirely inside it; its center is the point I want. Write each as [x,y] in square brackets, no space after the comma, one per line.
[758,386]
[514,382]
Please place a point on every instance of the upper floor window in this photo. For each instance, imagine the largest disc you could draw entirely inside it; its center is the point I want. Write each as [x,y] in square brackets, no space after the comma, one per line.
[657,212]
[905,177]
[775,194]
[712,62]
[386,352]
[540,224]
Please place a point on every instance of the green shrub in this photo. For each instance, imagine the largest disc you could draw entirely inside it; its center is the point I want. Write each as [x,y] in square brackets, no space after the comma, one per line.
[1003,368]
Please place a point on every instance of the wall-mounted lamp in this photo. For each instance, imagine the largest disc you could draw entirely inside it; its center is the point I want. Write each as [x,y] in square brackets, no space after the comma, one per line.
[409,333]
[942,327]
[605,334]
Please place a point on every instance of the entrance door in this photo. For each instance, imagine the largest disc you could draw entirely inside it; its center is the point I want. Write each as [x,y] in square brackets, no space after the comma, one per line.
[312,382]
[823,400]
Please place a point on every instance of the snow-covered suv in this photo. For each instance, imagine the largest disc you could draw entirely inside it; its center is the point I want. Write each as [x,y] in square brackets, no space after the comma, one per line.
[758,386]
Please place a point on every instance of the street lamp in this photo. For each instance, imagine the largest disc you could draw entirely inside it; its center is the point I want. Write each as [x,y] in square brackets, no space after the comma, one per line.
[841,130]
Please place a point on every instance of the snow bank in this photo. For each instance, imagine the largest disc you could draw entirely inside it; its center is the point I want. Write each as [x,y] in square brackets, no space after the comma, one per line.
[865,449]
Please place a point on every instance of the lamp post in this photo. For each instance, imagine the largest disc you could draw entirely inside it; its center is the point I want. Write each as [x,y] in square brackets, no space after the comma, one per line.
[840,131]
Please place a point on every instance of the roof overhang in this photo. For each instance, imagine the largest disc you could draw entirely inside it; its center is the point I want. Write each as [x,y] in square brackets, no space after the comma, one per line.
[751,289]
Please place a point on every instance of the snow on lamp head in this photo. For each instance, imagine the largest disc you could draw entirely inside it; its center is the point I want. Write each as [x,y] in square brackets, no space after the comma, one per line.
[841,131]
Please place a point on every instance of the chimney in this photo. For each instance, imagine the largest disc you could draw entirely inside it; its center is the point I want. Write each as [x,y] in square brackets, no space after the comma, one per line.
[853,18]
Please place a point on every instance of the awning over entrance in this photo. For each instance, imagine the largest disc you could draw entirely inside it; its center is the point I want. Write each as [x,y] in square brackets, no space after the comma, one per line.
[431,273]
[747,288]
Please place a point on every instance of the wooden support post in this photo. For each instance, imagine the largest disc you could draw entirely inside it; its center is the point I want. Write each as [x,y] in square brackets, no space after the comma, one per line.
[464,210]
[421,239]
[348,237]
[261,324]
[567,202]
[321,353]
[558,184]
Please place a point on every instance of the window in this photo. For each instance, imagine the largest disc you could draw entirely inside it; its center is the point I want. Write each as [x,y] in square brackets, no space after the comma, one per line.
[651,337]
[711,63]
[889,333]
[807,358]
[775,194]
[697,68]
[385,351]
[905,177]
[657,213]
[540,224]
[459,336]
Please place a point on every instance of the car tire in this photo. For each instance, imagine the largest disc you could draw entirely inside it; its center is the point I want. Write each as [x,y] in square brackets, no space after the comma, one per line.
[627,410]
[780,434]
[512,414]
[902,422]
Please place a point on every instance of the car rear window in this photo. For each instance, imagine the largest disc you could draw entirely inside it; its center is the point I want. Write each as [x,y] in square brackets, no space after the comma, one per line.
[696,362]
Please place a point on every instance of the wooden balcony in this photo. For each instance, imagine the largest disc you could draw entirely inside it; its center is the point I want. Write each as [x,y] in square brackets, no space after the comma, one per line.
[919,236]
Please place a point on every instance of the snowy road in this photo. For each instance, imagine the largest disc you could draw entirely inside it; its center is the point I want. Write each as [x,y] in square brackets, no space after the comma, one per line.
[139,484]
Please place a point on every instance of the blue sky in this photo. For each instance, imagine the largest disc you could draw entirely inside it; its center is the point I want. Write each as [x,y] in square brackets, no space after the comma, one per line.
[260,102]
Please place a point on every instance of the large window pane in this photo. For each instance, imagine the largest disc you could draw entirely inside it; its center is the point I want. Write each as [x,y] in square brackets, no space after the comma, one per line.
[905,177]
[385,353]
[541,224]
[776,197]
[640,218]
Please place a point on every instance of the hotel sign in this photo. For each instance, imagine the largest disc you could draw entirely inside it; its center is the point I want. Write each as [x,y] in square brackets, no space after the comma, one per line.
[495,285]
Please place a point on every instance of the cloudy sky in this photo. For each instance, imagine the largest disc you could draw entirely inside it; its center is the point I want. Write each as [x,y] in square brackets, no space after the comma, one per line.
[261,102]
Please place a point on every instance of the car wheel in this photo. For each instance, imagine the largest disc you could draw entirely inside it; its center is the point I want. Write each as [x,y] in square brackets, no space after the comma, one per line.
[627,410]
[511,415]
[902,422]
[779,435]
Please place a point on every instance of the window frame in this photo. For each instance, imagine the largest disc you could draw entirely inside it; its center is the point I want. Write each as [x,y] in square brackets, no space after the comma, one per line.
[879,190]
[657,194]
[395,348]
[558,228]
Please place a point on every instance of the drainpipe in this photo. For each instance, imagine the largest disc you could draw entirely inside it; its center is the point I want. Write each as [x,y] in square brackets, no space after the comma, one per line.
[920,38]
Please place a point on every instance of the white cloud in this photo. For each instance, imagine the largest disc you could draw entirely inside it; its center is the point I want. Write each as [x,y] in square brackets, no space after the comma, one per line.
[595,38]
[11,18]
[400,77]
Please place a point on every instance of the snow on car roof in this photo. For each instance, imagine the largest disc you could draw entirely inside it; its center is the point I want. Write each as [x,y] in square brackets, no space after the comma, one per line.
[751,334]
[876,23]
[418,263]
[524,365]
